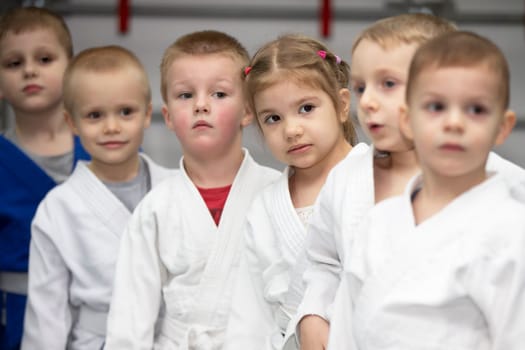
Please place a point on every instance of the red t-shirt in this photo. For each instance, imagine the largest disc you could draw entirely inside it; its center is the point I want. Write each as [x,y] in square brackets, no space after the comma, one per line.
[215,199]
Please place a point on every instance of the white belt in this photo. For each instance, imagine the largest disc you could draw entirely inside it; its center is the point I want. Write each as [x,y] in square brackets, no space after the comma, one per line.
[13,282]
[191,337]
[92,321]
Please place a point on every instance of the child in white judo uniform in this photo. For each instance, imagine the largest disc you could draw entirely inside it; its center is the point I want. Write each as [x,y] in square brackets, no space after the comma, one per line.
[180,253]
[443,265]
[77,228]
[37,150]
[381,55]
[299,93]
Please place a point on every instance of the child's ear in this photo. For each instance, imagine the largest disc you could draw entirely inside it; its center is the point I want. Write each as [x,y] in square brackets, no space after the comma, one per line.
[167,119]
[404,123]
[506,126]
[248,116]
[149,113]
[344,96]
[70,122]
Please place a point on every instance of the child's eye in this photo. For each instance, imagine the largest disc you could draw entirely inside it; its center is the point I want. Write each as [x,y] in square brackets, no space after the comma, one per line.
[185,95]
[435,107]
[307,108]
[220,94]
[359,89]
[13,64]
[126,111]
[93,115]
[272,119]
[389,84]
[46,59]
[476,109]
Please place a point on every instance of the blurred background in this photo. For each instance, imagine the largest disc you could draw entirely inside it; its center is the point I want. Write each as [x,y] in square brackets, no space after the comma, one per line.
[147,27]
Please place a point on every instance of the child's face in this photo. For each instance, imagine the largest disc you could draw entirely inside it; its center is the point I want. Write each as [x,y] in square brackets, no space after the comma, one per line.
[378,80]
[300,124]
[455,117]
[110,114]
[205,104]
[32,66]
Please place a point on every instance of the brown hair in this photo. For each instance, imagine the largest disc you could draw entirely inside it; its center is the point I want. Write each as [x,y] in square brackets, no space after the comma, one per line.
[461,49]
[205,42]
[24,19]
[296,57]
[405,29]
[101,60]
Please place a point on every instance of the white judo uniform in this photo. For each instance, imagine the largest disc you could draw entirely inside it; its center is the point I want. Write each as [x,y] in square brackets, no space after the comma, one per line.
[512,173]
[73,252]
[341,321]
[264,298]
[455,281]
[344,200]
[174,256]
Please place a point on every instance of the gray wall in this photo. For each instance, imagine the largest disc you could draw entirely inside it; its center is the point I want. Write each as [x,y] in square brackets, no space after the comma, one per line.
[155,24]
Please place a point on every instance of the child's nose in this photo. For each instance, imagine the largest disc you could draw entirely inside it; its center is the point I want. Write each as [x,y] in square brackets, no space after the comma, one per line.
[30,69]
[112,125]
[201,105]
[292,128]
[368,100]
[454,120]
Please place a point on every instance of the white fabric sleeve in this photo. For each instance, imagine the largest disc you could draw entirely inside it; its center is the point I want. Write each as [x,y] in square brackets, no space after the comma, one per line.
[341,334]
[496,283]
[48,316]
[324,266]
[251,321]
[137,292]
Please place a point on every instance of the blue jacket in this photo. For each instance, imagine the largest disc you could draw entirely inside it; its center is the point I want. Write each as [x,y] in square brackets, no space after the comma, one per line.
[23,184]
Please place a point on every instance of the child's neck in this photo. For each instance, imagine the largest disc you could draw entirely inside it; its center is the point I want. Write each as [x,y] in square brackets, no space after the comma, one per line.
[438,191]
[214,172]
[122,172]
[45,134]
[392,173]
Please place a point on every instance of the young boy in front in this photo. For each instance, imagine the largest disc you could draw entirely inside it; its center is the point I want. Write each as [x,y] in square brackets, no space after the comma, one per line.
[181,248]
[77,227]
[36,152]
[443,265]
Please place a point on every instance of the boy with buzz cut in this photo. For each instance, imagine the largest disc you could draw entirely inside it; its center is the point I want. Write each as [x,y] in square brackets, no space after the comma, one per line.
[443,265]
[77,227]
[36,152]
[180,251]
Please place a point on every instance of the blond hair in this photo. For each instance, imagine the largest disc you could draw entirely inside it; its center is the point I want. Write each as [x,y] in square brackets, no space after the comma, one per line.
[296,57]
[23,19]
[101,60]
[405,29]
[204,42]
[461,49]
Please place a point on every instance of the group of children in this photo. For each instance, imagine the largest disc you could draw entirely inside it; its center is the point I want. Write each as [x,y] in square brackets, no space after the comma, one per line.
[416,241]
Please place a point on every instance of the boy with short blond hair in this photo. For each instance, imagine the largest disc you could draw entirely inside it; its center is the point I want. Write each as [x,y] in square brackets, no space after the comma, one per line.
[37,152]
[77,227]
[181,248]
[513,174]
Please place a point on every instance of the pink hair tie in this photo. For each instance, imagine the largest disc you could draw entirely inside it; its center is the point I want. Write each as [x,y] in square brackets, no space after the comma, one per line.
[322,54]
[247,70]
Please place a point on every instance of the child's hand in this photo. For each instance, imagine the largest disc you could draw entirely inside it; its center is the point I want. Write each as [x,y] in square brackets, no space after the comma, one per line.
[313,333]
